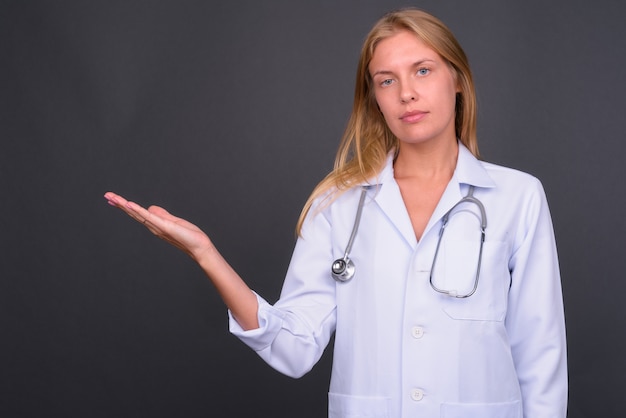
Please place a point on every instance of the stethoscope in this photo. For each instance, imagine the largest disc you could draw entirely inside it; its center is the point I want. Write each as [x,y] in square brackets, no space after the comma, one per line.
[343,268]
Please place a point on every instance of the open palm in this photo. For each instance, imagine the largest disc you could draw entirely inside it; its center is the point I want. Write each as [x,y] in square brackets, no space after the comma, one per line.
[177,231]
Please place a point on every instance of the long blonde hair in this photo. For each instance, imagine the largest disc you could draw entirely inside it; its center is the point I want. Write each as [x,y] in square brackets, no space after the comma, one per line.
[367,139]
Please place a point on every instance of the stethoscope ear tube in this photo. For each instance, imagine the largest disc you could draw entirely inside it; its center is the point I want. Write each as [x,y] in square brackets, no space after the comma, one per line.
[343,268]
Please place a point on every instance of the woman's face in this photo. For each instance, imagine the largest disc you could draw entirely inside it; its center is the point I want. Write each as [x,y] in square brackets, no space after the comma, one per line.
[415,90]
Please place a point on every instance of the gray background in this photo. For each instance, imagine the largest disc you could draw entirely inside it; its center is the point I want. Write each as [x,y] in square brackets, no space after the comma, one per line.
[229,114]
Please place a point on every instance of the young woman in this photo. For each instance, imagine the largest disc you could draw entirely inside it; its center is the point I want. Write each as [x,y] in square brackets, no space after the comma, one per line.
[437,272]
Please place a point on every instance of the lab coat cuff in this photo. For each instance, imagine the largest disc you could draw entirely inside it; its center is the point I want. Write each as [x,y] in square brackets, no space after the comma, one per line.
[270,323]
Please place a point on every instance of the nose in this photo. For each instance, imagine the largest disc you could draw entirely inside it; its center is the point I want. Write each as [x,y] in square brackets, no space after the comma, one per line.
[407,93]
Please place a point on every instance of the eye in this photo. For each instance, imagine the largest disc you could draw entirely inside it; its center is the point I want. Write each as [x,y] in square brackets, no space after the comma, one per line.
[386,82]
[423,71]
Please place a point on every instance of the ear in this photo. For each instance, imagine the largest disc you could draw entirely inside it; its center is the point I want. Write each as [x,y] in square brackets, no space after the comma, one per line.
[456,76]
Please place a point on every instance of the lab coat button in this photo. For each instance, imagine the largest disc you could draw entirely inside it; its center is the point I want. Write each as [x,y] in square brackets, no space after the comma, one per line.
[417,395]
[417,332]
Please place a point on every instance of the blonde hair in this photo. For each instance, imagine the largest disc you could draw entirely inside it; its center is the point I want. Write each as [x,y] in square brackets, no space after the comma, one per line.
[367,139]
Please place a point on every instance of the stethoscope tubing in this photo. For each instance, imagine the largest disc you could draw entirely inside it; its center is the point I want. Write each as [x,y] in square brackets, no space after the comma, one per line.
[343,269]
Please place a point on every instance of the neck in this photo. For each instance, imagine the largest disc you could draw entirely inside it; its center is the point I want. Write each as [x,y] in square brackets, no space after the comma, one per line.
[426,163]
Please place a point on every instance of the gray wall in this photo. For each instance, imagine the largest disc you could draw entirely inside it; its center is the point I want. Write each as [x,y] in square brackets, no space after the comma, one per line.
[228,114]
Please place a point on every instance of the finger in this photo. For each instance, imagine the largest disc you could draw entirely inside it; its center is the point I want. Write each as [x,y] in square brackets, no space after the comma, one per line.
[164,214]
[135,211]
[121,203]
[156,219]
[139,213]
[114,199]
[152,221]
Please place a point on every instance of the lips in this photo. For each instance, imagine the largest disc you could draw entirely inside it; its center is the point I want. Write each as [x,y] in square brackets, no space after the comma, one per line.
[413,116]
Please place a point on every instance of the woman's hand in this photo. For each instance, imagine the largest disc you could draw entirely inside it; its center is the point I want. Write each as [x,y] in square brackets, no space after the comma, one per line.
[180,233]
[189,238]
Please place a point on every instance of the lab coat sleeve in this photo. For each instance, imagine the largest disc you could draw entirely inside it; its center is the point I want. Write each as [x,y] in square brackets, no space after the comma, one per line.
[535,320]
[294,332]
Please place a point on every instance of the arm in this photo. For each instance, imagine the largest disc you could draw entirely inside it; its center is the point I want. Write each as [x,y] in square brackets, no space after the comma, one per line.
[187,237]
[294,332]
[535,319]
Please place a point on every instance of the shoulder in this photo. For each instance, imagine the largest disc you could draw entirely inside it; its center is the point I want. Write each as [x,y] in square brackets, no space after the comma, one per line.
[507,178]
[517,193]
[336,199]
[334,208]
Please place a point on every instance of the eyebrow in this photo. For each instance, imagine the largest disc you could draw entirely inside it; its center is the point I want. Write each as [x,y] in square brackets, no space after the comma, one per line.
[415,64]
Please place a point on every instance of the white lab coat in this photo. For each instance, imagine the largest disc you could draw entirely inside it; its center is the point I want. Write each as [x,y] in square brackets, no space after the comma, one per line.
[402,349]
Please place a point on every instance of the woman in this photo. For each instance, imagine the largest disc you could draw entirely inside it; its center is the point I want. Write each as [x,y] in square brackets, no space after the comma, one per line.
[466,323]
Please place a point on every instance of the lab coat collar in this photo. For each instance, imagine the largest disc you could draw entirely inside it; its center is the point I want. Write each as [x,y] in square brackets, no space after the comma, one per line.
[468,171]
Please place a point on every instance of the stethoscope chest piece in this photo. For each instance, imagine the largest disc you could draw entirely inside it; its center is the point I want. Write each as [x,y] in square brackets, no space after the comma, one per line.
[342,269]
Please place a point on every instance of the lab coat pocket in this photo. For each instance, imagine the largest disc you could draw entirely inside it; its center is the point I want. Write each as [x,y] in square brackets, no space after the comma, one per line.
[482,410]
[347,406]
[457,271]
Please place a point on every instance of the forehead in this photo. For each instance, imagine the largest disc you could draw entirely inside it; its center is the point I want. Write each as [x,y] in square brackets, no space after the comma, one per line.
[400,48]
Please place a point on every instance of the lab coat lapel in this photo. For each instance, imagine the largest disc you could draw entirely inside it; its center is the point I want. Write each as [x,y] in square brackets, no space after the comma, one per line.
[390,202]
[389,199]
[450,197]
[468,171]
